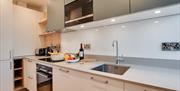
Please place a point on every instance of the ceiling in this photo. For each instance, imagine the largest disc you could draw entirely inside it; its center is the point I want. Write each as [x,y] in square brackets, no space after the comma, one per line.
[40,3]
[68,1]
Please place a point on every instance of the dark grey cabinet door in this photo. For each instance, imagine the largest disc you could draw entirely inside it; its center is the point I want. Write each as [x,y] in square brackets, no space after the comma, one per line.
[109,8]
[55,15]
[140,5]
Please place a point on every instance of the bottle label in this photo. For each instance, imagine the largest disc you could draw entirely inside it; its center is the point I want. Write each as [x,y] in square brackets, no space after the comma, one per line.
[81,54]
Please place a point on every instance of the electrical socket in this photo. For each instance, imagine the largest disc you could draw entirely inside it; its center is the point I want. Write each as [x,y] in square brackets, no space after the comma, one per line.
[171,46]
[87,46]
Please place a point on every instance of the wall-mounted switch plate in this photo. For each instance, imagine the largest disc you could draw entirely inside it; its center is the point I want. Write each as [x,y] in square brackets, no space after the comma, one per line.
[171,46]
[87,46]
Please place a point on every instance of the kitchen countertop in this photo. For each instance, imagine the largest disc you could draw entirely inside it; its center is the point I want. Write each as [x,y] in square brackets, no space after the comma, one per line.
[154,76]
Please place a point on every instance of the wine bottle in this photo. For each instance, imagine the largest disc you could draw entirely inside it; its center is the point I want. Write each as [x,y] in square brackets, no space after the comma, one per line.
[81,52]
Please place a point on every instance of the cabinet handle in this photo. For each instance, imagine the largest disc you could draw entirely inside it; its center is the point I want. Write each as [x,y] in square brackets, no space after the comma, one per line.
[11,65]
[66,71]
[104,82]
[30,77]
[45,76]
[29,61]
[11,54]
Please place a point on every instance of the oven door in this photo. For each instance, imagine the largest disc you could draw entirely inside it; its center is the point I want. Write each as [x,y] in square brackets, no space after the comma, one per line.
[44,81]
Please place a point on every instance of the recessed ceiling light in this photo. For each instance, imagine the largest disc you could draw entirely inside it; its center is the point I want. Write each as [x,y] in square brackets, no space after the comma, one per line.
[97,30]
[156,21]
[113,20]
[157,11]
[82,26]
[123,26]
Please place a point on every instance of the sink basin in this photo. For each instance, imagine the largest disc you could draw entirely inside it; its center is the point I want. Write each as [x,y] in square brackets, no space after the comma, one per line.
[114,69]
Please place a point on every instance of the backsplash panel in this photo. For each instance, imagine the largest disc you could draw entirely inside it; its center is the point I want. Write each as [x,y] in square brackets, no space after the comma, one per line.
[136,39]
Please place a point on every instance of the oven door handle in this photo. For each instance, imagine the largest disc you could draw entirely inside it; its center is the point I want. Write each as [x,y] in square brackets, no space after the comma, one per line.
[41,74]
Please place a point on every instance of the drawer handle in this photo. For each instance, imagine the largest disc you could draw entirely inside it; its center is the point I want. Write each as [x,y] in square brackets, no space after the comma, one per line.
[66,71]
[29,61]
[43,75]
[105,82]
[30,77]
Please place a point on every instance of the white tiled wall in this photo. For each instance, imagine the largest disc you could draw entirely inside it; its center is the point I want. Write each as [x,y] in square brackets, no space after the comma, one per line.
[136,39]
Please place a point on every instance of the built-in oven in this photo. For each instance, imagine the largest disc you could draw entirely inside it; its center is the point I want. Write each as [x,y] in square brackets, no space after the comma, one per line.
[44,78]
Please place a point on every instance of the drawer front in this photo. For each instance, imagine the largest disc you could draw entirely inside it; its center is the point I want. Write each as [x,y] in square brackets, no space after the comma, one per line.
[95,82]
[138,87]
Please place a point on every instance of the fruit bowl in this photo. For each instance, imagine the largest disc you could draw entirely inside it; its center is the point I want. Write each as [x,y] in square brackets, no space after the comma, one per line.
[73,61]
[71,58]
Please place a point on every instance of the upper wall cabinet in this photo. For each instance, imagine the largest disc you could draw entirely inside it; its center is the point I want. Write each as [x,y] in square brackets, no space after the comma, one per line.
[78,12]
[109,8]
[55,15]
[83,11]
[140,5]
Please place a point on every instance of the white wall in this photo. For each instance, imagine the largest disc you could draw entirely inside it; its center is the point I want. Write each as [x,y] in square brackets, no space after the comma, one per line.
[136,39]
[26,30]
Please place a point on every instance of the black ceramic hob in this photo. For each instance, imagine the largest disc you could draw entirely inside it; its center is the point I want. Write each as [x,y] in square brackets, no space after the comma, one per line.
[49,60]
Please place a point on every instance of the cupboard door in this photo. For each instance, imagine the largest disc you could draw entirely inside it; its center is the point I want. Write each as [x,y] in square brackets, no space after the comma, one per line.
[30,81]
[6,76]
[64,80]
[96,83]
[6,11]
[136,87]
[109,8]
[115,85]
[26,30]
[140,5]
[96,87]
[70,80]
[99,83]
[55,15]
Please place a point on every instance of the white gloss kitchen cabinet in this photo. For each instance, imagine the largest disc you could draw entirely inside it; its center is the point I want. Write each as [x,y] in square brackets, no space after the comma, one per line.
[6,10]
[6,76]
[69,80]
[6,69]
[26,30]
[136,87]
[30,80]
[100,83]
[64,80]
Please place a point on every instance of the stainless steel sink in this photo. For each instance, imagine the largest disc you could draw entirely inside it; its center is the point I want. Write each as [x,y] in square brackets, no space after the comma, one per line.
[114,69]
